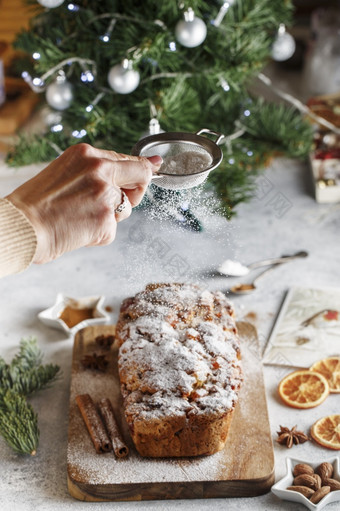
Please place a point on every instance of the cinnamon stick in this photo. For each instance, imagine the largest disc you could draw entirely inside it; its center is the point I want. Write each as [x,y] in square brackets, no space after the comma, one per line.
[93,423]
[106,410]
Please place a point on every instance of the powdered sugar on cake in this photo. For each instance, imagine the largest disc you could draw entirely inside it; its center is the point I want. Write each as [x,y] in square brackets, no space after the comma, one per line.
[179,352]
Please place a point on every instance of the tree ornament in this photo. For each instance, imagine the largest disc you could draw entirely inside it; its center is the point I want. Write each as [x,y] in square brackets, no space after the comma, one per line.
[122,78]
[59,93]
[191,31]
[50,4]
[284,45]
[154,128]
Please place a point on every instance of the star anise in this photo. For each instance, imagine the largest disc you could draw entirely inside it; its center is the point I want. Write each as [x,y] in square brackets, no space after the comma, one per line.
[292,436]
[95,361]
[105,341]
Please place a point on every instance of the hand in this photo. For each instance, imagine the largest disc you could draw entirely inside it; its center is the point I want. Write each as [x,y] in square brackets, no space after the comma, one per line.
[72,202]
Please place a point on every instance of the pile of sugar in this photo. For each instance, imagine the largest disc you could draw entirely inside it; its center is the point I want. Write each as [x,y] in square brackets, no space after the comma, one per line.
[233,268]
[185,163]
[180,352]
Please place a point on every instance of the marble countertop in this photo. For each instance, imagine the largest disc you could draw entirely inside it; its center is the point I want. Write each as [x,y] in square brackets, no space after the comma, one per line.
[282,218]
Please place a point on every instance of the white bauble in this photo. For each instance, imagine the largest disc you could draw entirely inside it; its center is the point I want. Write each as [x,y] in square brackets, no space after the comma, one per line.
[50,4]
[191,31]
[122,78]
[283,46]
[59,94]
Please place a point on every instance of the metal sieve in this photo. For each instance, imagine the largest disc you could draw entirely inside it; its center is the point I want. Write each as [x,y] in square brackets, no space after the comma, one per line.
[188,158]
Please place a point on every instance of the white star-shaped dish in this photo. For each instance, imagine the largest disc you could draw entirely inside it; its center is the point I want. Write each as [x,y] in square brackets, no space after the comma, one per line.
[51,316]
[280,490]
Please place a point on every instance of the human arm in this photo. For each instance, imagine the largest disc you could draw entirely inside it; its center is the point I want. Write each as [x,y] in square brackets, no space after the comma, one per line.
[72,202]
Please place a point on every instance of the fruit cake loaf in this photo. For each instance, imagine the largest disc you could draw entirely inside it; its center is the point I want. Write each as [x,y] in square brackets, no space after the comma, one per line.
[179,368]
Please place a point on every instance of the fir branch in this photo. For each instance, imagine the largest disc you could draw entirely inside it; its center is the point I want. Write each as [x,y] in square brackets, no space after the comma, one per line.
[25,374]
[29,355]
[36,148]
[27,381]
[280,125]
[18,423]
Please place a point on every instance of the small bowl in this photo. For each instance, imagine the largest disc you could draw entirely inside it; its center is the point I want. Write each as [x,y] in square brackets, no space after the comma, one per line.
[51,316]
[279,488]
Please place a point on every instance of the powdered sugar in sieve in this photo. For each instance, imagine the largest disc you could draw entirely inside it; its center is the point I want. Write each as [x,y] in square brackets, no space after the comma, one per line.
[187,158]
[188,162]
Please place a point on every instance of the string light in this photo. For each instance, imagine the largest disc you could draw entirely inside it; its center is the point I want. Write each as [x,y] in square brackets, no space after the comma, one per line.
[106,37]
[79,134]
[73,7]
[87,76]
[36,55]
[224,84]
[96,100]
[172,46]
[222,12]
[36,84]
[57,128]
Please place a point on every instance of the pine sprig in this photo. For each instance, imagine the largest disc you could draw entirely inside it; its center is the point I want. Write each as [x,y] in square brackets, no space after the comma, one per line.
[29,354]
[18,423]
[19,379]
[25,382]
[26,374]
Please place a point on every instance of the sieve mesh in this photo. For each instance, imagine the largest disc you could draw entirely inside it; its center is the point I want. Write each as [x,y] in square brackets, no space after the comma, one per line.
[187,158]
[180,158]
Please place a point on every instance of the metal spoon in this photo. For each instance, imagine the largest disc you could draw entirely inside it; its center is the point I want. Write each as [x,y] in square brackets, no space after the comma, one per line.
[237,269]
[242,289]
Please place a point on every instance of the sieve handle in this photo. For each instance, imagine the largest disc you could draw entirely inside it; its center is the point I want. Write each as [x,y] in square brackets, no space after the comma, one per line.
[206,130]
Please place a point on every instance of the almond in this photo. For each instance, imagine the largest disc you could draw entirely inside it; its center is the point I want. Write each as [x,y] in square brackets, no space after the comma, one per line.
[320,494]
[325,470]
[333,484]
[302,468]
[318,482]
[307,492]
[306,480]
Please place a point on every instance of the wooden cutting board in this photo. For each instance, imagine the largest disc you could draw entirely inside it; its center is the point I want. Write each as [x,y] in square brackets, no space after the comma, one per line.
[244,468]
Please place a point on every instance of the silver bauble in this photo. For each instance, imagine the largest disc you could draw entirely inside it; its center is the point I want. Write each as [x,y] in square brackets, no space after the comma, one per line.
[122,78]
[59,94]
[283,46]
[191,31]
[50,4]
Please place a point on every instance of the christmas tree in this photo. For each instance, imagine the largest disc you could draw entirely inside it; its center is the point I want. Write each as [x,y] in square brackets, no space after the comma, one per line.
[113,71]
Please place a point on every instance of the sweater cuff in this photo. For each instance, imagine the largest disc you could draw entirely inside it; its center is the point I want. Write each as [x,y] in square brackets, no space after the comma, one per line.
[18,240]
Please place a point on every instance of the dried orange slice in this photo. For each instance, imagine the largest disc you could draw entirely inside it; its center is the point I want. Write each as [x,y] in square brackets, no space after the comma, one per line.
[303,389]
[326,431]
[330,369]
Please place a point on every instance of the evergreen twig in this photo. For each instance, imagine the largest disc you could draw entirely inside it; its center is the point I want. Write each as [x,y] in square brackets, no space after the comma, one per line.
[19,379]
[18,423]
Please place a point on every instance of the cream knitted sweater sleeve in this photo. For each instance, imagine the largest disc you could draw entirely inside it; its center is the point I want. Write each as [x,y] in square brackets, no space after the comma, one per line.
[18,240]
